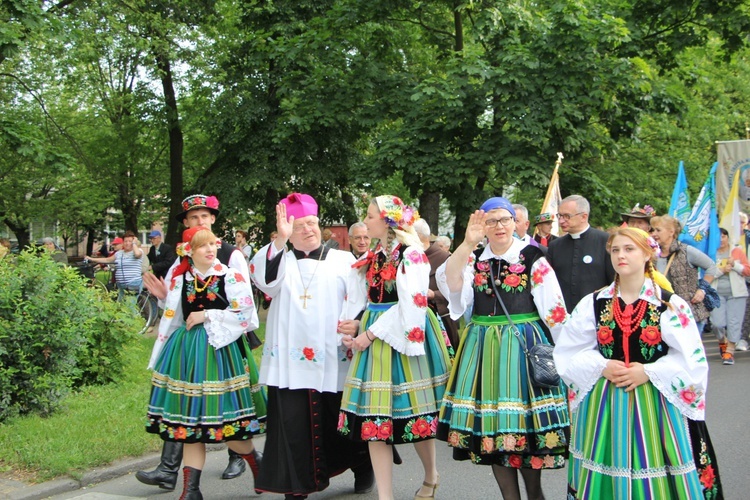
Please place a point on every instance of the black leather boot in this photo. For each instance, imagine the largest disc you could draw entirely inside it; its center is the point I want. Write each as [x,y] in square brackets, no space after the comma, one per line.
[191,484]
[235,467]
[165,474]
[253,460]
[364,478]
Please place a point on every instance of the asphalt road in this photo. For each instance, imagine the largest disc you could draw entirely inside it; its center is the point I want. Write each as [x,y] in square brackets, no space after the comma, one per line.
[728,410]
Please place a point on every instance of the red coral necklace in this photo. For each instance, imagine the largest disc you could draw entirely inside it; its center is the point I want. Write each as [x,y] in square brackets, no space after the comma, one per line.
[628,320]
[377,276]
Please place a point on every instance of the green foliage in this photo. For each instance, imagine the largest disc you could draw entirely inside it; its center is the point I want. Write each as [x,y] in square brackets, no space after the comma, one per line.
[55,332]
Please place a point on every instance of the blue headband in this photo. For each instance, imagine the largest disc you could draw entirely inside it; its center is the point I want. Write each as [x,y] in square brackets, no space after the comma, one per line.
[498,202]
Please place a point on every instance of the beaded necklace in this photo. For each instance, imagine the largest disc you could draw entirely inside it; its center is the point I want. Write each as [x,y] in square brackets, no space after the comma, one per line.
[628,320]
[206,283]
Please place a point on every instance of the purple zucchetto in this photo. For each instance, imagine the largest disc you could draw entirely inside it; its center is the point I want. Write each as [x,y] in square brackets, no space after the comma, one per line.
[300,205]
[498,202]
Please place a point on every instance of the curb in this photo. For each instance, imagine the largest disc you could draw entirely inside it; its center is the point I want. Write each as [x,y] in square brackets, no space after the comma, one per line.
[16,490]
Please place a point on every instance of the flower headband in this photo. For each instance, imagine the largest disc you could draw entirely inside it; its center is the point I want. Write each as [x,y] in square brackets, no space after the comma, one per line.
[395,213]
[184,249]
[651,242]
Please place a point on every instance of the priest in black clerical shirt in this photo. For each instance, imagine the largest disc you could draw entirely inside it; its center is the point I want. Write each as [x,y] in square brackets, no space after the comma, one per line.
[579,258]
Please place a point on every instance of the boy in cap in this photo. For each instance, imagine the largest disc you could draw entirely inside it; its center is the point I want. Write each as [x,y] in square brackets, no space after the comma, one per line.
[543,229]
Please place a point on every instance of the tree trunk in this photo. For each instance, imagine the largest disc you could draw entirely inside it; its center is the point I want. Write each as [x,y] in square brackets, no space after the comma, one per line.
[20,230]
[429,209]
[176,145]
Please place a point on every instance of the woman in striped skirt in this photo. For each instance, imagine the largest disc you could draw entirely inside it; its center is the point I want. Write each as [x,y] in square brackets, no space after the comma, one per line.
[492,413]
[397,376]
[637,374]
[204,384]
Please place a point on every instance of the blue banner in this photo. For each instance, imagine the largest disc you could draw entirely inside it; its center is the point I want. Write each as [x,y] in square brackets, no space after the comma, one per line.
[702,227]
[679,208]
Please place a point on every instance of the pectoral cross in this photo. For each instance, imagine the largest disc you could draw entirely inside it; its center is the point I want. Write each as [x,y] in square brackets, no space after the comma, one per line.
[304,299]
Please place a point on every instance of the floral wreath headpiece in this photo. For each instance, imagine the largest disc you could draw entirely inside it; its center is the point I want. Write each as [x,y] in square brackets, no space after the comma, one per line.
[183,249]
[396,213]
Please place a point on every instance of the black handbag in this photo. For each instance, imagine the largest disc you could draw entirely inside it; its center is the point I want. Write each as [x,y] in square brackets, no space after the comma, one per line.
[541,363]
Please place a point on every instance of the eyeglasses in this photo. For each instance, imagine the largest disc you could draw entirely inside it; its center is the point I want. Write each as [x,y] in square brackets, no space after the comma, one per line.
[505,221]
[568,216]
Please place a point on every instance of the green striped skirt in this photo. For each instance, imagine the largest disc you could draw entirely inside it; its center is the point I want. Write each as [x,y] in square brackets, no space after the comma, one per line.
[630,445]
[491,412]
[389,396]
[204,395]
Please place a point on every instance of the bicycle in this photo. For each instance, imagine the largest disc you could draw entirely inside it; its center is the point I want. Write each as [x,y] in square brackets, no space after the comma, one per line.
[88,270]
[138,298]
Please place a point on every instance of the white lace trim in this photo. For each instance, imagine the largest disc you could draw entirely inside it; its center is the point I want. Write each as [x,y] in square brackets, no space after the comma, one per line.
[665,390]
[219,335]
[626,472]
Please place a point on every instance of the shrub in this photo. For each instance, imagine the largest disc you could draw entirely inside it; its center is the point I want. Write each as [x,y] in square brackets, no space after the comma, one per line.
[54,331]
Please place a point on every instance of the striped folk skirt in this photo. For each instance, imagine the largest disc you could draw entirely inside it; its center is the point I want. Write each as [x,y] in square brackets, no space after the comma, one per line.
[389,396]
[492,413]
[200,394]
[630,445]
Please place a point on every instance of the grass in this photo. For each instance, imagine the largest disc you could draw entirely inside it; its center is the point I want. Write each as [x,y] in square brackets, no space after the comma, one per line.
[97,426]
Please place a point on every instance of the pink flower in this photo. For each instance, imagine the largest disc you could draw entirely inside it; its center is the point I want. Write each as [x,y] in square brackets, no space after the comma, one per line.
[434,426]
[684,319]
[537,462]
[488,444]
[509,442]
[416,257]
[342,420]
[516,268]
[688,395]
[212,202]
[420,300]
[482,265]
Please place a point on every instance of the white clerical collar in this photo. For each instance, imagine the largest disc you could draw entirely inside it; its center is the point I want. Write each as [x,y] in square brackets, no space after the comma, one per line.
[576,236]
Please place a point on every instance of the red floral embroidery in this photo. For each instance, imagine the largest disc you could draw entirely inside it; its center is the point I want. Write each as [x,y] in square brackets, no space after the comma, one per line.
[369,430]
[421,428]
[385,430]
[515,461]
[308,353]
[219,435]
[239,278]
[252,268]
[651,335]
[537,276]
[512,280]
[420,300]
[217,267]
[416,334]
[388,272]
[480,279]
[708,477]
[604,335]
[537,462]
[558,314]
[180,433]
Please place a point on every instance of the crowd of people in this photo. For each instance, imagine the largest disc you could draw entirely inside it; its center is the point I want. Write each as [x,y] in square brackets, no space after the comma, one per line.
[403,339]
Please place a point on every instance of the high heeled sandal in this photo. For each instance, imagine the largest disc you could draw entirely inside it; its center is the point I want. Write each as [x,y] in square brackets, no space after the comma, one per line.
[434,487]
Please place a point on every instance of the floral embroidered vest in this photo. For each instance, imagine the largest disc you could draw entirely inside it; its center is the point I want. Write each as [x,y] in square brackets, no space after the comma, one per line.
[513,281]
[644,345]
[213,297]
[381,275]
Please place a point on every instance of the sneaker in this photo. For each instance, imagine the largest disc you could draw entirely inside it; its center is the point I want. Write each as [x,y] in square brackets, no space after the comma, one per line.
[727,358]
[722,348]
[741,345]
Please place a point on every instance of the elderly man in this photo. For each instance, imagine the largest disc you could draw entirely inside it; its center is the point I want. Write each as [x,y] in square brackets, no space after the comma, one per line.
[197,210]
[304,364]
[329,240]
[579,258]
[443,242]
[359,240]
[160,255]
[522,225]
[639,218]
